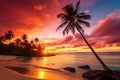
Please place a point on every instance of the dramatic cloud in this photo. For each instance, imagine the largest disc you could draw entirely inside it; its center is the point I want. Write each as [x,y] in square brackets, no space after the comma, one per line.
[106,35]
[26,15]
[58,42]
[37,18]
[109,29]
[32,16]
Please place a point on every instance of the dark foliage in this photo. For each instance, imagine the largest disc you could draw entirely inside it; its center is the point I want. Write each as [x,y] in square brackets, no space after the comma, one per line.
[19,47]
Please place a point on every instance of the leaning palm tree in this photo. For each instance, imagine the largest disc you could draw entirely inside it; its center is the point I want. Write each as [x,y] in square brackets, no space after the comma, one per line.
[9,35]
[73,20]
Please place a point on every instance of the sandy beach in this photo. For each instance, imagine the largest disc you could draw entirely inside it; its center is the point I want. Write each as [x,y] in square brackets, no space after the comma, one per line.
[50,74]
[7,74]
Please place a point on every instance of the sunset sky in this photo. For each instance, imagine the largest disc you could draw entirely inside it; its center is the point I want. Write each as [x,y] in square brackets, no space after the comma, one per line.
[37,18]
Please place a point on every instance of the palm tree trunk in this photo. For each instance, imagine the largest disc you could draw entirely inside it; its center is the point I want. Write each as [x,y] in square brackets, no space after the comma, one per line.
[99,59]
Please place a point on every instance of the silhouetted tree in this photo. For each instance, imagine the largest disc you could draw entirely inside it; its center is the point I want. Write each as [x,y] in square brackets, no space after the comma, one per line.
[18,42]
[25,41]
[36,40]
[20,46]
[9,35]
[2,39]
[71,19]
[24,37]
[32,42]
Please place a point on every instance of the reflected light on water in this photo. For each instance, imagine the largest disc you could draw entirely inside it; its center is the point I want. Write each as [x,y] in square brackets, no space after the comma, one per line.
[45,59]
[41,74]
[49,75]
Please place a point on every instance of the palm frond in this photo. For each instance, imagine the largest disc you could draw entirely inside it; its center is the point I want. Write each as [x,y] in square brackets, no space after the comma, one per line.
[68,9]
[72,19]
[79,28]
[61,15]
[84,17]
[84,22]
[61,25]
[72,28]
[80,14]
[76,7]
[66,30]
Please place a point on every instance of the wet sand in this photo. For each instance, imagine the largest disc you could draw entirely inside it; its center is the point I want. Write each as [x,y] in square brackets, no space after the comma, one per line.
[11,69]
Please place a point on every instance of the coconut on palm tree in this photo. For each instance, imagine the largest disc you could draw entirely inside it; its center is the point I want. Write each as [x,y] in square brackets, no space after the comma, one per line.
[73,20]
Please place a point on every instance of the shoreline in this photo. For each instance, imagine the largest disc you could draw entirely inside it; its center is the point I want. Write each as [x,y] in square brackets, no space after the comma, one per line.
[11,65]
[51,73]
[7,74]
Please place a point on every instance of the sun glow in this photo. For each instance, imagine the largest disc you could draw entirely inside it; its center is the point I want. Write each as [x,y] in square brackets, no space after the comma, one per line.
[45,52]
[41,74]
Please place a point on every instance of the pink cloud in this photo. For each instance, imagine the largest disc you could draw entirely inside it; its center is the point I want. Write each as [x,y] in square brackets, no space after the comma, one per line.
[109,29]
[65,40]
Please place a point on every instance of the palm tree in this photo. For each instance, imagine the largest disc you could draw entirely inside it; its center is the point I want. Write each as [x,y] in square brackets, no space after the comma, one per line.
[18,42]
[36,40]
[9,35]
[31,42]
[71,20]
[24,37]
[2,39]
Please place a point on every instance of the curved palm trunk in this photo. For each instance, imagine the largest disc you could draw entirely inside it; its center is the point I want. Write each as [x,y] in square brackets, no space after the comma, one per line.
[101,62]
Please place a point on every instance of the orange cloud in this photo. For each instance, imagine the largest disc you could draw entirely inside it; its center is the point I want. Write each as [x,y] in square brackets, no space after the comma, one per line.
[47,15]
[40,7]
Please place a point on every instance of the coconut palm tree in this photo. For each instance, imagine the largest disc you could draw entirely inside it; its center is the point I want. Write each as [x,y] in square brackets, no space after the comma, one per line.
[2,39]
[9,35]
[24,37]
[36,40]
[73,20]
[18,42]
[25,40]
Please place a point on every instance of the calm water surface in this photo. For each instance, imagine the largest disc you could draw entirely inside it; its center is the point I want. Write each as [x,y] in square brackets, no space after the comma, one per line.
[58,62]
[77,59]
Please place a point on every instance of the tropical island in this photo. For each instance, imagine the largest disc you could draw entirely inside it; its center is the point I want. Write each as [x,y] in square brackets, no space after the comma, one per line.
[20,46]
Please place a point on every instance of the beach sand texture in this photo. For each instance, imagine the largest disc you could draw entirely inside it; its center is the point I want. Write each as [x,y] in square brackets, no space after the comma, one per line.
[8,74]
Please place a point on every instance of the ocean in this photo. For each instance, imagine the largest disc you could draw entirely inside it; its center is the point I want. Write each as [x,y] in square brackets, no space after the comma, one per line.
[75,59]
[41,67]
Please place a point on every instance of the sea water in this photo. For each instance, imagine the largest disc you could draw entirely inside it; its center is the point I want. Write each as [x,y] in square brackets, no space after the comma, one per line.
[76,59]
[44,67]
